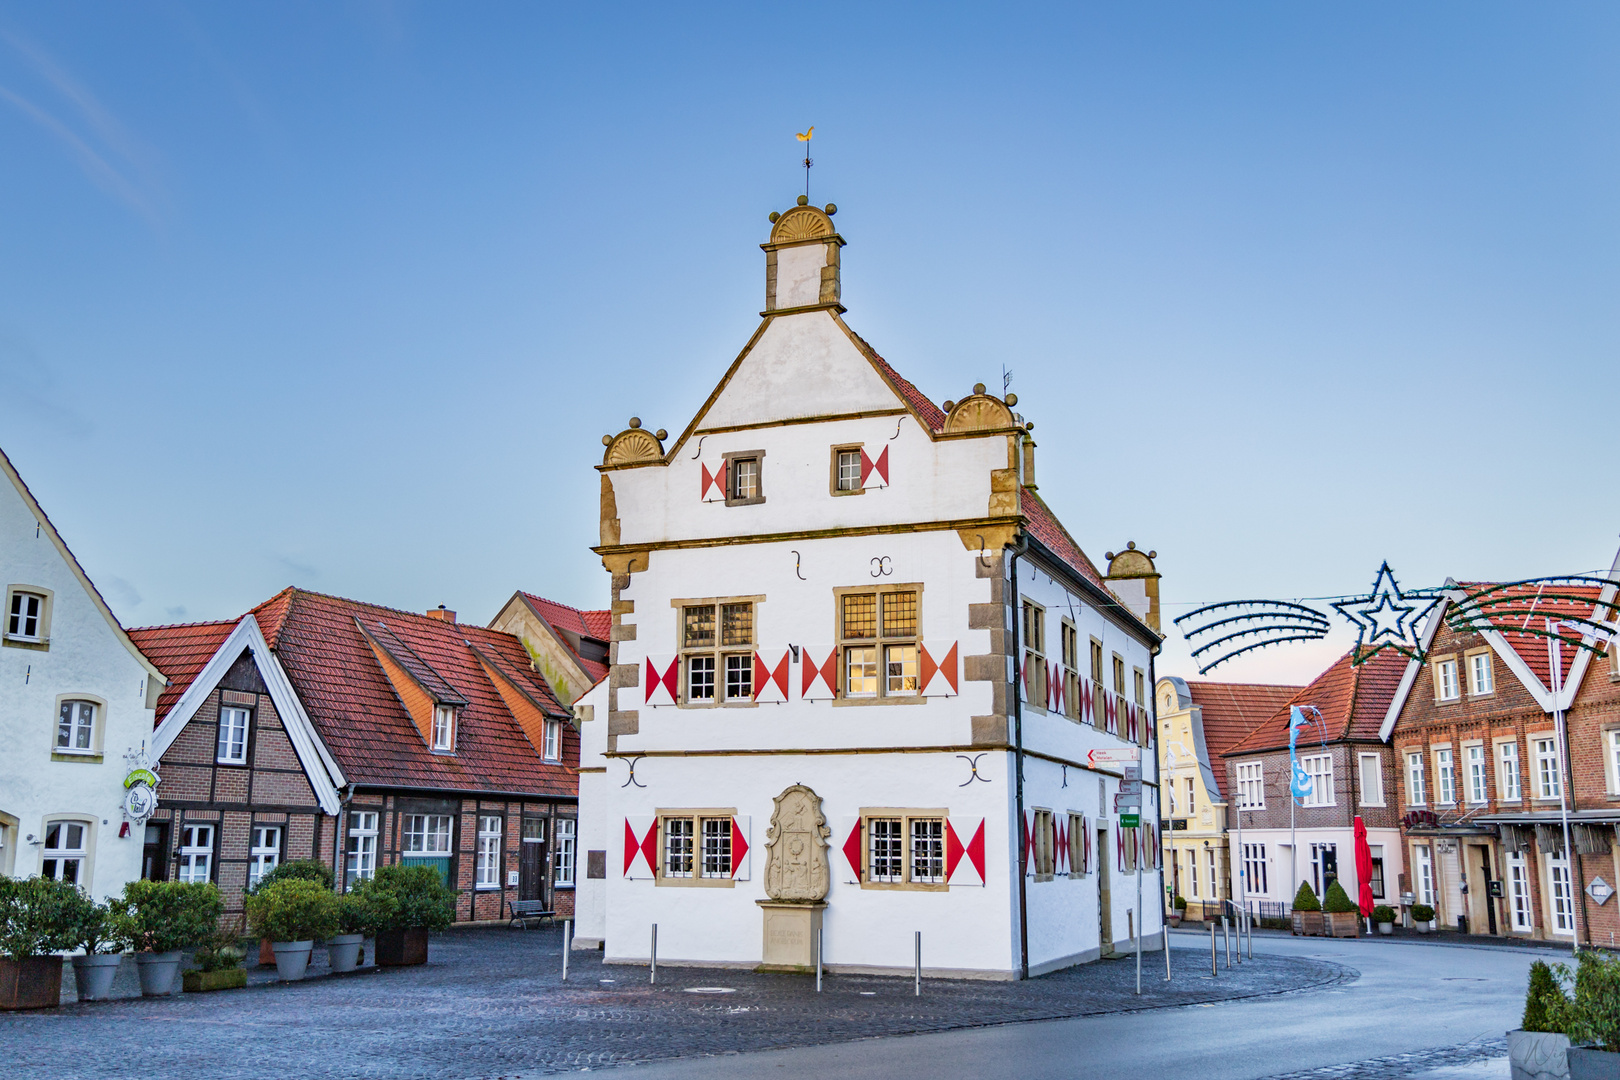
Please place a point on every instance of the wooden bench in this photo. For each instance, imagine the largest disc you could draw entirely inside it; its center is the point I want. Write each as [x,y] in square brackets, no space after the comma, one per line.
[524,910]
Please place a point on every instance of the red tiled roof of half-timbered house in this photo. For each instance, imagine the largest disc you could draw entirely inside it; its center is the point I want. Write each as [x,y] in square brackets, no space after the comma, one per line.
[318,641]
[1565,602]
[1352,699]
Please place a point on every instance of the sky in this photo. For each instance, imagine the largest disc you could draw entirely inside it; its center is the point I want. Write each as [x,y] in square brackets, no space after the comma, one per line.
[344,295]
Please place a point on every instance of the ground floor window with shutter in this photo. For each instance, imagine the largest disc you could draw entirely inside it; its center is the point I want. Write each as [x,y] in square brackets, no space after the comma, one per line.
[696,846]
[904,848]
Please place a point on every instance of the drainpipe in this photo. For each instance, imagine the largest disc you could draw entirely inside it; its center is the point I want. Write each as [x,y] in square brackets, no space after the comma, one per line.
[1016,550]
[339,822]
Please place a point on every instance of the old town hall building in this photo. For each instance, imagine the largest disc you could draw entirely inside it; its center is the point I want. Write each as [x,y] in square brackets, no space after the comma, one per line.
[843,618]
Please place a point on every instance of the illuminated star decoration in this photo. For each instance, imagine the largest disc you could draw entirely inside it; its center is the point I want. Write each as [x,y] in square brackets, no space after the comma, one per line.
[1386,618]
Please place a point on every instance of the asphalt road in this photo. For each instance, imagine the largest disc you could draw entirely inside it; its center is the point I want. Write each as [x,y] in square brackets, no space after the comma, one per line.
[1409,997]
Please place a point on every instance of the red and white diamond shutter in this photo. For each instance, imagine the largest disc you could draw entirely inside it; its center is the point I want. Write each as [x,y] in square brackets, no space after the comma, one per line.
[1119,847]
[850,846]
[1130,722]
[742,855]
[879,465]
[1084,826]
[640,850]
[661,676]
[964,851]
[1061,826]
[714,483]
[1028,825]
[1086,715]
[771,675]
[1054,688]
[818,672]
[939,669]
[1110,711]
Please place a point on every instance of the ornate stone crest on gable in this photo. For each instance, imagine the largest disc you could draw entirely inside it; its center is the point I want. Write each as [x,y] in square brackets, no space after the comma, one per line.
[801,223]
[796,848]
[980,412]
[634,445]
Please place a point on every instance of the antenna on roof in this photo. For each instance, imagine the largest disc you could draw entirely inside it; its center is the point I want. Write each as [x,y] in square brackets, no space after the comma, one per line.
[1006,380]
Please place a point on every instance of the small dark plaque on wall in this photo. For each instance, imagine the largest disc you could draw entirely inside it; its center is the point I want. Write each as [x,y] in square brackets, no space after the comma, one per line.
[1494,889]
[596,864]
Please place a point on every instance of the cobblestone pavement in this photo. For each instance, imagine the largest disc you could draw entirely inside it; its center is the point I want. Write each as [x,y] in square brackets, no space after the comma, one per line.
[491,1004]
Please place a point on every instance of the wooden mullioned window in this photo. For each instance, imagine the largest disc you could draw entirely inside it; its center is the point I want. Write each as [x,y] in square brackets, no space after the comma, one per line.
[878,635]
[717,651]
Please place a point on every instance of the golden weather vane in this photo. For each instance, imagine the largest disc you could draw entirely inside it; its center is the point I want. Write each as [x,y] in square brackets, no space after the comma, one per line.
[805,137]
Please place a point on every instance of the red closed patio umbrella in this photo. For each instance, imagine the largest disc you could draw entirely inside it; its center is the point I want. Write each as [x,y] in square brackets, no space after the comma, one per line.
[1363,868]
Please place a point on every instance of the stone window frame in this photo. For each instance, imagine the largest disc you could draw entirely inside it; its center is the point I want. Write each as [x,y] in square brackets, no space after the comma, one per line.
[717,650]
[880,643]
[1534,740]
[1043,844]
[42,640]
[10,835]
[1097,663]
[906,815]
[731,459]
[1610,735]
[98,728]
[1077,845]
[696,815]
[1469,659]
[833,478]
[1437,664]
[1032,638]
[1499,765]
[1069,647]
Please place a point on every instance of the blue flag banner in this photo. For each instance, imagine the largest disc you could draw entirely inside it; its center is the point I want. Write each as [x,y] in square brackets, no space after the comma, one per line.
[1300,783]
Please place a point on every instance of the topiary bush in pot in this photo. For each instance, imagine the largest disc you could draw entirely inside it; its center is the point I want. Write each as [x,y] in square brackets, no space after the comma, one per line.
[104,937]
[1589,1015]
[1307,913]
[1342,914]
[1539,1048]
[1423,915]
[293,913]
[162,918]
[1383,917]
[293,870]
[413,900]
[38,917]
[361,914]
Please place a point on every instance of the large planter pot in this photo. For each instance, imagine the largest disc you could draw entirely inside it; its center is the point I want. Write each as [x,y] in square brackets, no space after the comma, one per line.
[1590,1063]
[1309,923]
[200,982]
[292,959]
[1341,923]
[1386,929]
[402,948]
[343,951]
[93,975]
[31,983]
[159,971]
[1538,1055]
[267,952]
[1423,927]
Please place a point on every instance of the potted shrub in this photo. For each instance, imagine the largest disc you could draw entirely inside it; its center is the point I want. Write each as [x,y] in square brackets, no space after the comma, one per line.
[218,965]
[1384,916]
[1307,911]
[1423,916]
[1178,910]
[104,937]
[412,900]
[162,918]
[1590,1016]
[1340,915]
[293,913]
[294,870]
[360,915]
[38,917]
[1537,1051]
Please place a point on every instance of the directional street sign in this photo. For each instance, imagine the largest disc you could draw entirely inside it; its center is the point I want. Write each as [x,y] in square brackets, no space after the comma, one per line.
[1114,757]
[1132,773]
[1126,800]
[1132,787]
[1129,821]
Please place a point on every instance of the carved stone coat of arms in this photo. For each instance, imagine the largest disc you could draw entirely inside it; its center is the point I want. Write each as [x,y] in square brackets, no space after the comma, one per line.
[796,848]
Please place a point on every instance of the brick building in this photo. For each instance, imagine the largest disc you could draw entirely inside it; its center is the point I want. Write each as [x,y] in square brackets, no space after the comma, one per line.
[317,727]
[1352,774]
[1481,777]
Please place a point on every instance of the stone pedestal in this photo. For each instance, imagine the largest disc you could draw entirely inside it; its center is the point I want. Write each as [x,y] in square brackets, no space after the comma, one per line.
[790,934]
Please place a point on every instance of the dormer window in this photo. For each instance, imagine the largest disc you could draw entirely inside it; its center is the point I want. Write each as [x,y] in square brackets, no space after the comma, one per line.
[444,728]
[552,749]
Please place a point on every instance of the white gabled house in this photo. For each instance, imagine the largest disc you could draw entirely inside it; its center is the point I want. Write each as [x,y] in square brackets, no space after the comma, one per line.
[76,696]
[836,601]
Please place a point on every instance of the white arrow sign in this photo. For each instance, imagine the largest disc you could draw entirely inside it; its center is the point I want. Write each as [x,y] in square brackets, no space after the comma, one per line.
[1114,757]
[1125,800]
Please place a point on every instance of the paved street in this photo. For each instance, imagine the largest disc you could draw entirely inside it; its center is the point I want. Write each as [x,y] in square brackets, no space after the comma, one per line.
[491,1004]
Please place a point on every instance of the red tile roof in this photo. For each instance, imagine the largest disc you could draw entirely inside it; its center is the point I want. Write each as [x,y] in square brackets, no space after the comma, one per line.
[358,715]
[1045,527]
[180,651]
[1231,710]
[1532,605]
[931,414]
[596,625]
[1353,700]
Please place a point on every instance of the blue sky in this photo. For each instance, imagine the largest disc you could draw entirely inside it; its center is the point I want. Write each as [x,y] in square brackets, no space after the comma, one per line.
[345,295]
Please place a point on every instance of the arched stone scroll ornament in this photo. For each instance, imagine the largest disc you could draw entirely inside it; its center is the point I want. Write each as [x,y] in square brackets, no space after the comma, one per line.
[980,412]
[634,445]
[801,223]
[796,867]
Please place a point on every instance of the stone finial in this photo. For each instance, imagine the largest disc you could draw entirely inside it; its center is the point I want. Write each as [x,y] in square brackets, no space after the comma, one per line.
[1134,578]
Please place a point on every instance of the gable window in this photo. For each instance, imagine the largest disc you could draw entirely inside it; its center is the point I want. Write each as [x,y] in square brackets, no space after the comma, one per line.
[1508,779]
[64,851]
[1071,669]
[697,846]
[362,852]
[1549,785]
[427,834]
[745,478]
[196,853]
[1251,786]
[1445,681]
[265,852]
[878,636]
[25,616]
[562,872]
[489,852]
[1319,767]
[717,646]
[1372,780]
[551,741]
[1416,793]
[444,727]
[75,727]
[1445,778]
[1481,679]
[233,732]
[1035,680]
[1475,777]
[1192,802]
[846,470]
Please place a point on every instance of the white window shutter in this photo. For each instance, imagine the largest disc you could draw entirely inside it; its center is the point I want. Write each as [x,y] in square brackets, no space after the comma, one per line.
[964,851]
[850,846]
[640,850]
[661,678]
[818,672]
[939,669]
[742,853]
[771,668]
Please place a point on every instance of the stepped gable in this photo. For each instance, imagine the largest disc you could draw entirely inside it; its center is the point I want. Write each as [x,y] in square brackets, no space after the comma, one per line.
[1352,699]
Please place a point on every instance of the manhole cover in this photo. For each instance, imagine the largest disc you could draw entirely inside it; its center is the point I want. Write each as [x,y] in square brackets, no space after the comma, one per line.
[710,990]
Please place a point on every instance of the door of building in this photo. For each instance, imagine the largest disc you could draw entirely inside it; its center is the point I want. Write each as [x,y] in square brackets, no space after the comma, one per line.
[1482,856]
[1105,918]
[155,855]
[533,881]
[1326,868]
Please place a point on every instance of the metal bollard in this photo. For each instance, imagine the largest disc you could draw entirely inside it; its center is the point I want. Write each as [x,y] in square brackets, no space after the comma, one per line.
[653,970]
[1213,970]
[1166,952]
[1226,935]
[818,959]
[568,944]
[1251,937]
[917,969]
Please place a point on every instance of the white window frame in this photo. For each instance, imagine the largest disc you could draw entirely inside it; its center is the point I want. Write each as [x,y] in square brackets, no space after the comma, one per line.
[1371,794]
[1445,777]
[1192,797]
[719,670]
[1560,896]
[1319,767]
[196,852]
[422,835]
[562,865]
[1254,866]
[444,728]
[360,861]
[1446,685]
[1251,785]
[1481,675]
[231,747]
[887,660]
[1549,778]
[264,853]
[1510,778]
[1214,877]
[1476,775]
[74,726]
[1520,914]
[1192,875]
[1417,790]
[487,870]
[1423,879]
[1379,882]
[66,861]
[551,740]
[1613,757]
[847,470]
[18,616]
